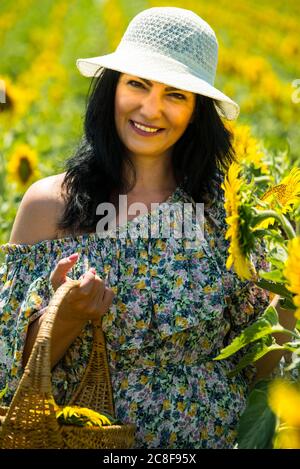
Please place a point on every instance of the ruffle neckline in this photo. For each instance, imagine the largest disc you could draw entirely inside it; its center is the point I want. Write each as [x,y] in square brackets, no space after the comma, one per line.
[48,244]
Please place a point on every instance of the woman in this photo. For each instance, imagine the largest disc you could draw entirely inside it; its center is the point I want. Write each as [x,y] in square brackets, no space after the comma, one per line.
[153,131]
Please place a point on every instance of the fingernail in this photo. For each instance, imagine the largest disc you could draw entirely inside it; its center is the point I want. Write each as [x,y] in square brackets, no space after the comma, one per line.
[73,256]
[93,270]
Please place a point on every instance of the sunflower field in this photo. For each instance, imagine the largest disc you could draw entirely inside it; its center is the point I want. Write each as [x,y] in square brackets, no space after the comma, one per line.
[42,105]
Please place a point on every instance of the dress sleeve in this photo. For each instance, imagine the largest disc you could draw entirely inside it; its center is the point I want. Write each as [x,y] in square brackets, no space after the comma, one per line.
[25,290]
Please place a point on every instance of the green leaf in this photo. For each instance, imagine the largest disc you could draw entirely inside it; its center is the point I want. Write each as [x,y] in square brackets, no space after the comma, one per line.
[277,288]
[255,353]
[3,391]
[274,276]
[265,325]
[287,303]
[257,424]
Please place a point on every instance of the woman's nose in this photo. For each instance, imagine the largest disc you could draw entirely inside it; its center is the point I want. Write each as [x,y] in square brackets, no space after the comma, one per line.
[152,105]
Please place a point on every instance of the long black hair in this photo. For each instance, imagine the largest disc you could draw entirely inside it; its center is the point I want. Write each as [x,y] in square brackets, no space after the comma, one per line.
[96,168]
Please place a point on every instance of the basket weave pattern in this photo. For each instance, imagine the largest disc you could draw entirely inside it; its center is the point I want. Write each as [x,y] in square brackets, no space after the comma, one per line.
[30,420]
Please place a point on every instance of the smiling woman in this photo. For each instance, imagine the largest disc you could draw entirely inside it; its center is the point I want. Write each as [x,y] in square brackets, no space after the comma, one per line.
[154,132]
[149,109]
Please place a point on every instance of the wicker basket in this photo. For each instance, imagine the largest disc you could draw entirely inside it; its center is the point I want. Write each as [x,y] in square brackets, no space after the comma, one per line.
[30,420]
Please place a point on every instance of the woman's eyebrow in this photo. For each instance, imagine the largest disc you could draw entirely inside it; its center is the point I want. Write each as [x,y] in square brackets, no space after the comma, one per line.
[168,88]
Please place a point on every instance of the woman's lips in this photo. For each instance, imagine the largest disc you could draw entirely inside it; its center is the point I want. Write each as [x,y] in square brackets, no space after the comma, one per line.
[142,132]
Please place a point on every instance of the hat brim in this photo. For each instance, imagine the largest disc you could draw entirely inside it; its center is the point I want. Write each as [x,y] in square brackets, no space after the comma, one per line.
[163,70]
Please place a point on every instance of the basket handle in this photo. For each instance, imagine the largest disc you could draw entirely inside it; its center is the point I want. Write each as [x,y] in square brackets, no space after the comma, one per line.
[34,392]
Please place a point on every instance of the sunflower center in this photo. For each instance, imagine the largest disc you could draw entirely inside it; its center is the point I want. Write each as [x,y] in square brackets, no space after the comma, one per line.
[25,169]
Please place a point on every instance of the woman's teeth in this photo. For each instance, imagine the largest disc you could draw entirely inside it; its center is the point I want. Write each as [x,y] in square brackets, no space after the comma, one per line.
[145,129]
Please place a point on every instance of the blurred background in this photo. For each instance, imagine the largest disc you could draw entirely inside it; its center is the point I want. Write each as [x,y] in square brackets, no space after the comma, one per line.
[43,96]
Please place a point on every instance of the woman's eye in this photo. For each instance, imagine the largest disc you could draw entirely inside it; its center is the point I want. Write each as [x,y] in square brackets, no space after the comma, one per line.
[178,95]
[134,83]
[138,84]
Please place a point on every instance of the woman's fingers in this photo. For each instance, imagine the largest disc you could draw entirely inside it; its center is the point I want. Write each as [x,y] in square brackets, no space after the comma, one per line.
[58,276]
[90,299]
[108,297]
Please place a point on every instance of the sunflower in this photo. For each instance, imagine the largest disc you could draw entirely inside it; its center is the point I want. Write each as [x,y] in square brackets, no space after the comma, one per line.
[22,166]
[286,194]
[83,417]
[292,271]
[284,401]
[232,187]
[247,147]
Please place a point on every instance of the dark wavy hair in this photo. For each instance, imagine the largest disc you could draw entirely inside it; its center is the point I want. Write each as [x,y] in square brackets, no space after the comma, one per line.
[95,169]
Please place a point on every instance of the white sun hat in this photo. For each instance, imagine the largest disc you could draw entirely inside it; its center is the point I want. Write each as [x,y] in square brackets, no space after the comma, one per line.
[170,45]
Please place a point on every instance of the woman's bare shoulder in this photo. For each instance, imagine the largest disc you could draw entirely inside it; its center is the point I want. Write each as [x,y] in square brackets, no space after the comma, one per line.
[41,207]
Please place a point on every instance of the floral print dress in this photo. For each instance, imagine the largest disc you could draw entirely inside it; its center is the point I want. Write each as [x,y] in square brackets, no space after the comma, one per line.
[175,308]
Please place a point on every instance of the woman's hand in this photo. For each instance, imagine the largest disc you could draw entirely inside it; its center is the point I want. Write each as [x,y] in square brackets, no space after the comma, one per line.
[88,301]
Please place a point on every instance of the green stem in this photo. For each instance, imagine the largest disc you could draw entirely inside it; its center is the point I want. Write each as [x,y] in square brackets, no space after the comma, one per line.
[261,215]
[287,331]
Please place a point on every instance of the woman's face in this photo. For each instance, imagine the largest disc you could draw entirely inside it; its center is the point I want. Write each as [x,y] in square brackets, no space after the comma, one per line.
[151,104]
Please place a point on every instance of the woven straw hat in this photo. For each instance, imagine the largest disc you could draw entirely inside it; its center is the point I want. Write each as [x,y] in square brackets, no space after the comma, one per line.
[169,45]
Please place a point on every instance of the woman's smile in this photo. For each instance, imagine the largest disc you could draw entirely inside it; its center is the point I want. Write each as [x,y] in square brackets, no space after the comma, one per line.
[143,130]
[151,117]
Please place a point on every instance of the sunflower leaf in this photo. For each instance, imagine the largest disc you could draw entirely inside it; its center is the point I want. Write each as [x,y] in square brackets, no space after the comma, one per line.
[264,326]
[257,423]
[256,352]
[277,288]
[274,276]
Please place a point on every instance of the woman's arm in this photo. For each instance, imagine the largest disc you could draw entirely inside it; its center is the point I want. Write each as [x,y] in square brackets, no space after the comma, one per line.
[266,364]
[64,333]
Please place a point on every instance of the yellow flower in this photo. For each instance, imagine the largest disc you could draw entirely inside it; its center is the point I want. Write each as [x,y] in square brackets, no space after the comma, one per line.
[284,400]
[247,147]
[287,438]
[121,306]
[142,269]
[141,285]
[144,379]
[122,339]
[124,384]
[133,406]
[22,166]
[81,416]
[292,271]
[205,344]
[183,322]
[287,194]
[140,324]
[166,405]
[155,259]
[149,437]
[179,257]
[36,299]
[192,411]
[161,244]
[181,406]
[179,282]
[232,186]
[218,430]
[203,434]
